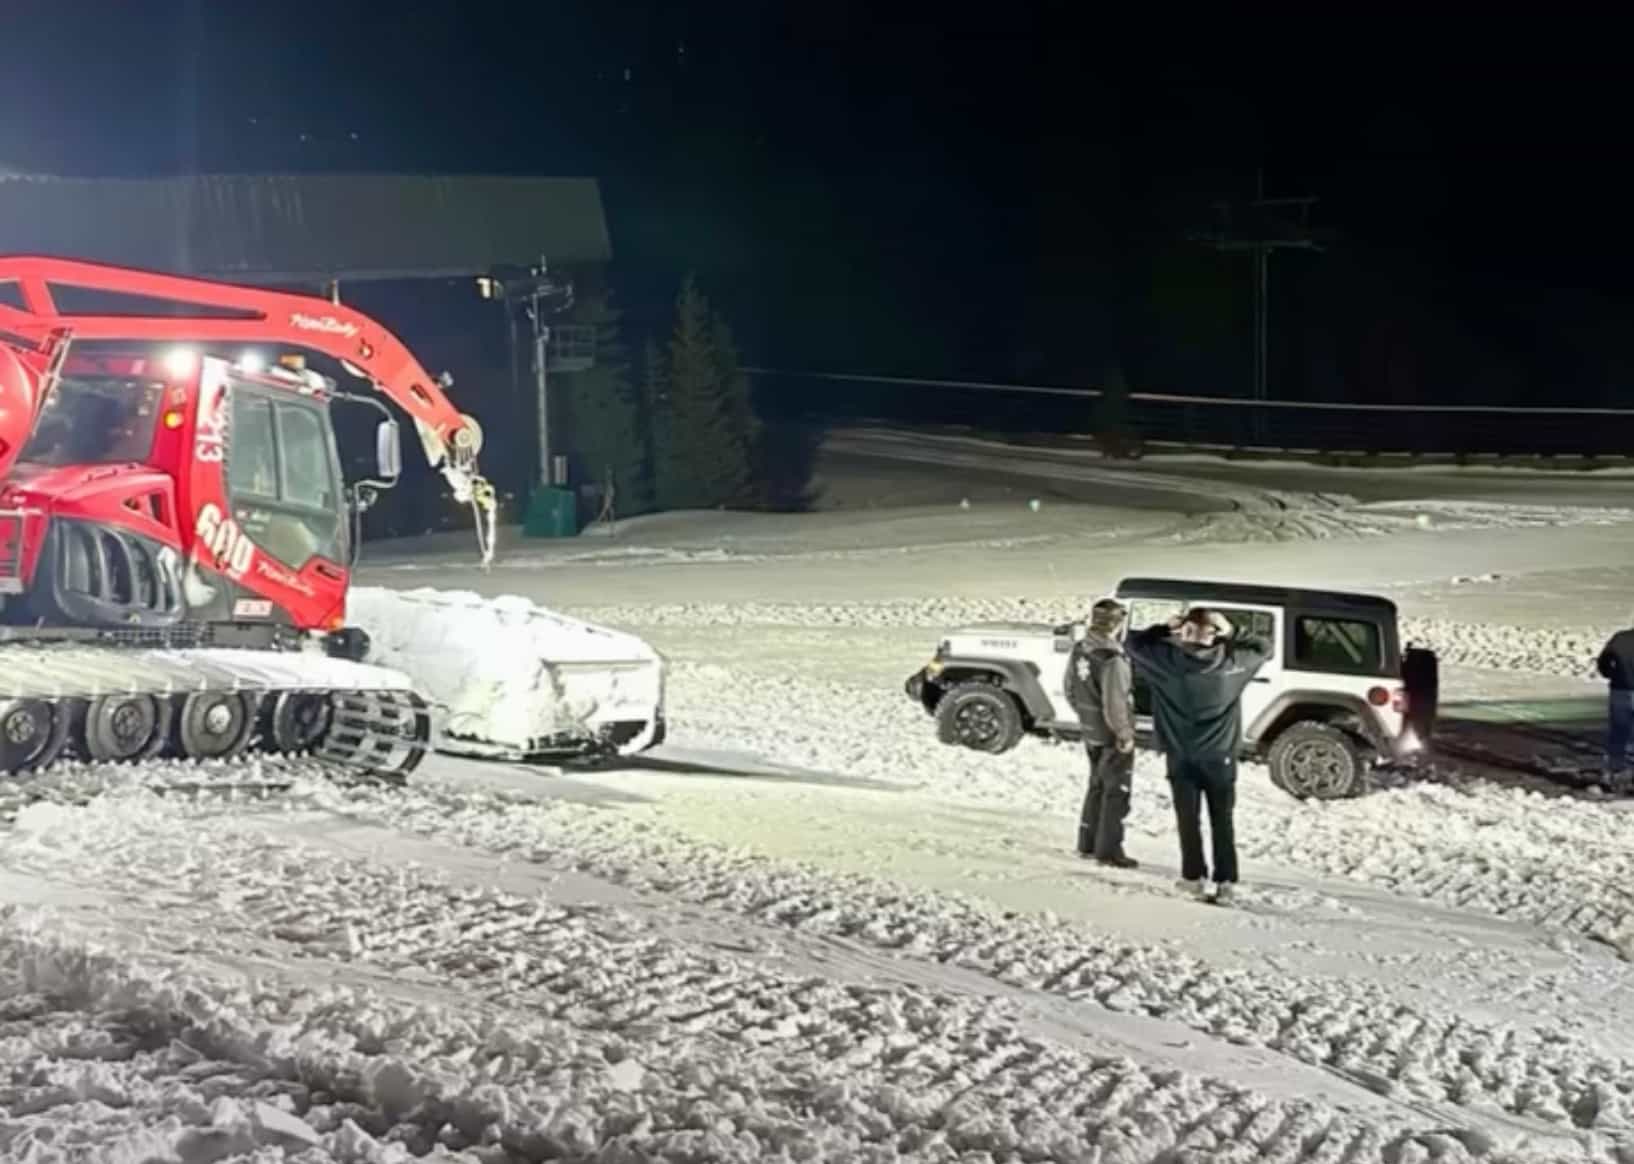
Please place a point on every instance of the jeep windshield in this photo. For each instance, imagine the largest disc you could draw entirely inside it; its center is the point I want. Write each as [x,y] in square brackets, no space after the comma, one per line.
[95,422]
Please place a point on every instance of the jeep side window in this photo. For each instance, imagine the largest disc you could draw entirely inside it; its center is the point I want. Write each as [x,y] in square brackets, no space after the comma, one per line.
[1145,612]
[1258,623]
[1337,644]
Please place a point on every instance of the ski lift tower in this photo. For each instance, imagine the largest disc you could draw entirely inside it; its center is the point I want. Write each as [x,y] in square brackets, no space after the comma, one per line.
[1258,227]
[561,347]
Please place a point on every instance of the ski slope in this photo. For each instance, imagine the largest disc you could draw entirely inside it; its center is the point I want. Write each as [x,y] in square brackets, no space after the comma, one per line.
[803,930]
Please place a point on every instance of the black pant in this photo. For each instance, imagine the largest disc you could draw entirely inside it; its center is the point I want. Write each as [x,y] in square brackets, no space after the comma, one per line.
[1192,782]
[1619,729]
[1106,804]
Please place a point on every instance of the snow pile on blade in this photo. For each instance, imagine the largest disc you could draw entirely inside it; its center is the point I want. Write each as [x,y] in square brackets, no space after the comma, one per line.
[514,679]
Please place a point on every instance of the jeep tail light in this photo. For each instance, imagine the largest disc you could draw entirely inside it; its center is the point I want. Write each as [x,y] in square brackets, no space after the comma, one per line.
[1378,696]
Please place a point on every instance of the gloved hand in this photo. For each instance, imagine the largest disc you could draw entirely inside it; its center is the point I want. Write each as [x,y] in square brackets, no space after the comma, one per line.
[1126,746]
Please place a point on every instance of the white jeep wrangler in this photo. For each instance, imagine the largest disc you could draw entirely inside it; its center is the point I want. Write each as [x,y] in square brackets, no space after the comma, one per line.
[1337,698]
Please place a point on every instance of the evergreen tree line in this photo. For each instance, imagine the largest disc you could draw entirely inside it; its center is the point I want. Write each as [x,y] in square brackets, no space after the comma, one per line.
[679,431]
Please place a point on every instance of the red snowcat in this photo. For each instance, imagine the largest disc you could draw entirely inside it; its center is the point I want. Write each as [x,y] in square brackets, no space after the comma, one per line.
[176,534]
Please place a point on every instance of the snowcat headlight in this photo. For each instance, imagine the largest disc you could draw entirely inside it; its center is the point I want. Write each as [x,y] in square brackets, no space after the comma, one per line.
[180,363]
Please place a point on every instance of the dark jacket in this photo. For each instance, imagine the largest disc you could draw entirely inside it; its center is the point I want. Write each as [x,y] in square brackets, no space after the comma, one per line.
[1098,687]
[1196,690]
[1616,661]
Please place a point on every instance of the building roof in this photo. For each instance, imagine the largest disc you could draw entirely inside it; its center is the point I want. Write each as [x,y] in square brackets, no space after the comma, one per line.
[306,228]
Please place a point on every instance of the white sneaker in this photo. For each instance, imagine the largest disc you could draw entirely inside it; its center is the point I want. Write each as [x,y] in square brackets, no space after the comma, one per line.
[1224,893]
[1193,887]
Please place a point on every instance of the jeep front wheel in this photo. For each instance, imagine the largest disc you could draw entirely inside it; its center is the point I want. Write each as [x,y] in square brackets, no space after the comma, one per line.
[979,716]
[1317,761]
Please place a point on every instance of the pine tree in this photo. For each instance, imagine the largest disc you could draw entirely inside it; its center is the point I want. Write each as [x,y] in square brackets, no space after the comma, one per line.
[606,415]
[702,455]
[1112,412]
[655,408]
[737,403]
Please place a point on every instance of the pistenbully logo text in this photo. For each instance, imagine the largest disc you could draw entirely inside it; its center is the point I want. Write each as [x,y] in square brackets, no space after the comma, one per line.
[324,323]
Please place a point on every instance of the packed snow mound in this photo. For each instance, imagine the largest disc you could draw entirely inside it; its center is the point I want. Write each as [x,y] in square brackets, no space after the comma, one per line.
[1568,652]
[1278,516]
[1252,513]
[34,796]
[510,675]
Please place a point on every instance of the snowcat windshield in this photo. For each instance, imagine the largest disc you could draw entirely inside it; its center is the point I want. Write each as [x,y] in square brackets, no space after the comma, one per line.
[95,422]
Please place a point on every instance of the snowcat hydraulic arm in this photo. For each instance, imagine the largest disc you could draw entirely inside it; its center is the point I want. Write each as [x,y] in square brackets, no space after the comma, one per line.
[451,439]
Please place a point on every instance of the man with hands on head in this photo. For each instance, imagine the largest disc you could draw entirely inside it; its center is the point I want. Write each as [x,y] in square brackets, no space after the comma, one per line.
[1198,669]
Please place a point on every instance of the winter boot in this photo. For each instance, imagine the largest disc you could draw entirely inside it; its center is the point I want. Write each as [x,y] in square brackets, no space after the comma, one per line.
[1119,861]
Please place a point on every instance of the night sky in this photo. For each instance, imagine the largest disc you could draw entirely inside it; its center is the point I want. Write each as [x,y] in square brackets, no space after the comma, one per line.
[999,194]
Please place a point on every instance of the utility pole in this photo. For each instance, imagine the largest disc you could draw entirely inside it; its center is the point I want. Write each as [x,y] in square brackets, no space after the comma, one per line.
[1260,226]
[540,297]
[1262,297]
[533,291]
[541,373]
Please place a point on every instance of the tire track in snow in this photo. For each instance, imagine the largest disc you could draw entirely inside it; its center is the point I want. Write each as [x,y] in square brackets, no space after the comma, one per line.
[1538,1075]
[719,1059]
[1523,1078]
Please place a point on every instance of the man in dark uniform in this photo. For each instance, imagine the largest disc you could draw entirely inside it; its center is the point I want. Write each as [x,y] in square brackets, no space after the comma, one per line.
[1198,671]
[1616,665]
[1098,687]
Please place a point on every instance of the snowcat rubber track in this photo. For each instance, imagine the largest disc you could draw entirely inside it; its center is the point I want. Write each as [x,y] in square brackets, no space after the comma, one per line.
[112,704]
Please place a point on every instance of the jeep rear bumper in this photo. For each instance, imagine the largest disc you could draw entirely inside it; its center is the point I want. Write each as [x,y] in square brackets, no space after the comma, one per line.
[1404,751]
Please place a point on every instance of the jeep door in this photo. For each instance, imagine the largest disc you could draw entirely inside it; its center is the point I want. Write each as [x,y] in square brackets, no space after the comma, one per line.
[1052,657]
[1263,622]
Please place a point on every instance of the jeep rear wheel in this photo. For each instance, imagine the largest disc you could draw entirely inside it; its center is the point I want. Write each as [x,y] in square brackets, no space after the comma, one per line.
[1317,761]
[979,716]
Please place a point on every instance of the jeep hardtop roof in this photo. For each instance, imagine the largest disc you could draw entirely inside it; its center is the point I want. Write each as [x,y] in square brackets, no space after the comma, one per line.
[1194,589]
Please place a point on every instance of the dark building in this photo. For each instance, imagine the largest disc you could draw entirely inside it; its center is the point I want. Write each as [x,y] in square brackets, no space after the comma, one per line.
[408,249]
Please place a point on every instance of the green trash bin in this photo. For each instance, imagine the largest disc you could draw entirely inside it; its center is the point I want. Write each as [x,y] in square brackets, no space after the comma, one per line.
[552,513]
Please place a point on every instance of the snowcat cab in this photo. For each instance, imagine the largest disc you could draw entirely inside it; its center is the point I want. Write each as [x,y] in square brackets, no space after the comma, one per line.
[123,447]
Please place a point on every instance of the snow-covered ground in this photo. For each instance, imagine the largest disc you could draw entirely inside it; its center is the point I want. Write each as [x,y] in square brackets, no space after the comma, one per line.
[802,930]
